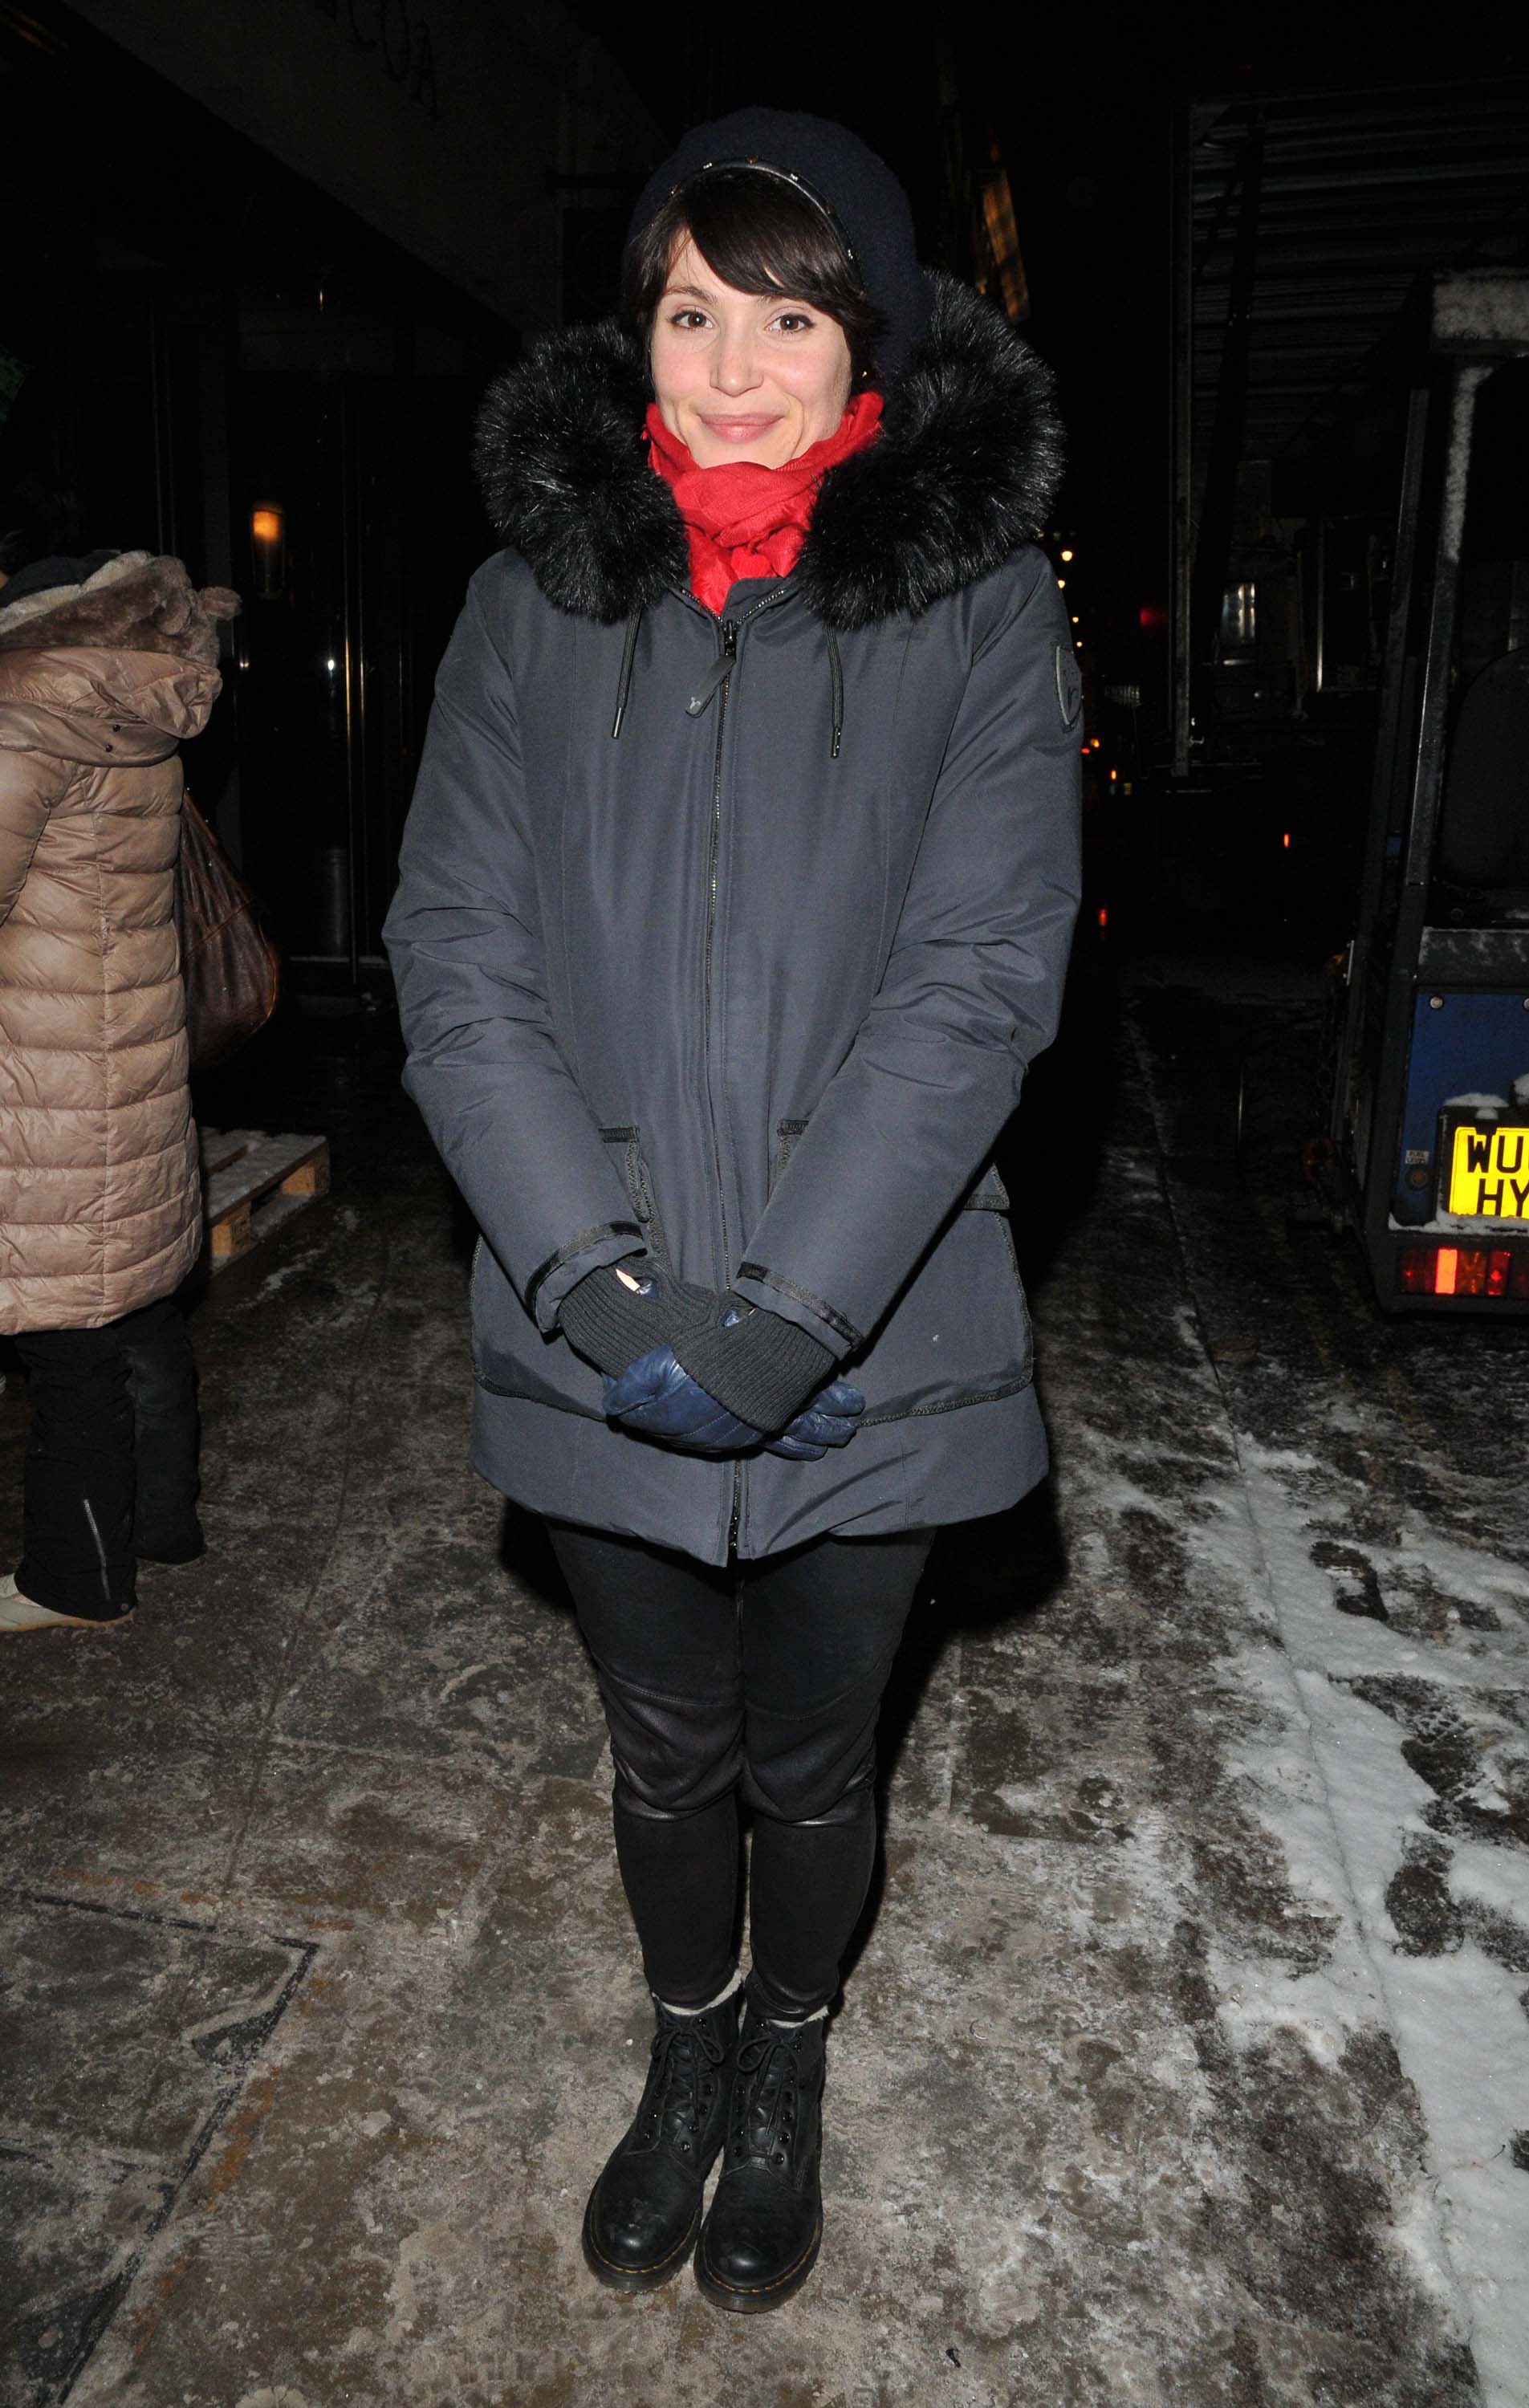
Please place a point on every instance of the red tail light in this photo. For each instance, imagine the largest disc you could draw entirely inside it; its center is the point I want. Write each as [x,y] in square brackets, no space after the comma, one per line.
[1465,1271]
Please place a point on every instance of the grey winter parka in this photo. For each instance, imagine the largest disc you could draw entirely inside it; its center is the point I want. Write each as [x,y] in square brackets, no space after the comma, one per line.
[732,939]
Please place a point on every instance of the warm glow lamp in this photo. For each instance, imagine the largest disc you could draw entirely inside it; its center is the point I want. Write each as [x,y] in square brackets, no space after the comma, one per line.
[268,548]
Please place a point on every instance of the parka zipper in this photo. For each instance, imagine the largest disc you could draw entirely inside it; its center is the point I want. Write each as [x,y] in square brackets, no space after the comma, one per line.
[720,685]
[729,654]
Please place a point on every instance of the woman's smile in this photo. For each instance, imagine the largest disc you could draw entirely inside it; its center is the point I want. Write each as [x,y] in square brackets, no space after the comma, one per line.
[751,429]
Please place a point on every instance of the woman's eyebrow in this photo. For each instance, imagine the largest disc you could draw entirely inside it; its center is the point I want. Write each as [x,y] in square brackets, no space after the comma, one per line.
[688,293]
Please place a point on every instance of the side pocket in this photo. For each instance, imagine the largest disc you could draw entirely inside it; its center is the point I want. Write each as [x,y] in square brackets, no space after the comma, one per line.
[786,1136]
[640,1186]
[990,1194]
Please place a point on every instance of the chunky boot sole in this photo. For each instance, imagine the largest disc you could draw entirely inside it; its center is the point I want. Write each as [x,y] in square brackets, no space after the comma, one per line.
[635,2278]
[762,2296]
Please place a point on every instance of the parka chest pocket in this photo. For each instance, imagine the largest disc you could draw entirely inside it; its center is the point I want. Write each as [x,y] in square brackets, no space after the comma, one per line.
[639,1187]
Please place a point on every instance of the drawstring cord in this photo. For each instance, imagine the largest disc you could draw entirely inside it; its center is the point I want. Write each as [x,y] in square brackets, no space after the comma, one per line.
[623,683]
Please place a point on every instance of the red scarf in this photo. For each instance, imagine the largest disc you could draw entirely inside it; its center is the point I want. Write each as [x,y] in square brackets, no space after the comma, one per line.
[745,521]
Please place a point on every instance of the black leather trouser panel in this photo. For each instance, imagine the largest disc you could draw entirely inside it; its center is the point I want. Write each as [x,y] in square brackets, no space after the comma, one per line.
[761,1681]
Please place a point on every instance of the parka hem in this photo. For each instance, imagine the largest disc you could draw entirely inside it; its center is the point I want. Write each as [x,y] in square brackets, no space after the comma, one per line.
[580,1469]
[886,1419]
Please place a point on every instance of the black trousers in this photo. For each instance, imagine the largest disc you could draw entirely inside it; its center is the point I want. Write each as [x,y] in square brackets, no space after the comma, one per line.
[111,1459]
[761,1682]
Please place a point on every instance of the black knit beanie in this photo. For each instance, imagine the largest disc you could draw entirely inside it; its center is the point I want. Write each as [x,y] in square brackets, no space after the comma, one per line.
[865,197]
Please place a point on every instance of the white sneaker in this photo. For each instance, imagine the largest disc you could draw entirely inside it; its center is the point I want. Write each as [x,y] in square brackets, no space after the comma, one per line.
[18,1613]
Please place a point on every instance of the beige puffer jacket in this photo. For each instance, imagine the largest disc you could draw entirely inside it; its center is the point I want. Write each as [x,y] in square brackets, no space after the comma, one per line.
[100,1207]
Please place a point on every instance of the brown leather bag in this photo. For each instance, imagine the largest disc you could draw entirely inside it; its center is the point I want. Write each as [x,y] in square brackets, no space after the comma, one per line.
[232,971]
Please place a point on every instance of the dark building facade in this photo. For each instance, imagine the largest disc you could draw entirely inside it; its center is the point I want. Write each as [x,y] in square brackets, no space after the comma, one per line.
[261,263]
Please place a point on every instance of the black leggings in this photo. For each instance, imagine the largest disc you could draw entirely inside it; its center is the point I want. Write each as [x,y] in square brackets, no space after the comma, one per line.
[761,1681]
[111,1460]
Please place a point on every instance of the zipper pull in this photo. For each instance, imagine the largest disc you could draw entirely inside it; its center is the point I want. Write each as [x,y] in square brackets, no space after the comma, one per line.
[719,673]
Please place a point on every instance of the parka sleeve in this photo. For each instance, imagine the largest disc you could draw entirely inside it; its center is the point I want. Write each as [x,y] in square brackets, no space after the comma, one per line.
[464,938]
[31,782]
[971,994]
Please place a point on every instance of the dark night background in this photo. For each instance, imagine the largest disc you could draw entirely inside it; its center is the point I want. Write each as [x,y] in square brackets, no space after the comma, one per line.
[192,327]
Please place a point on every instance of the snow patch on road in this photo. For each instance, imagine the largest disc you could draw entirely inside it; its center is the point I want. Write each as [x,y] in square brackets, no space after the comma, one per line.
[1326,1775]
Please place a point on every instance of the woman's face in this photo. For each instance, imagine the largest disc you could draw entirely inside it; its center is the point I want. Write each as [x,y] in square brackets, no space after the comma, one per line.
[744,376]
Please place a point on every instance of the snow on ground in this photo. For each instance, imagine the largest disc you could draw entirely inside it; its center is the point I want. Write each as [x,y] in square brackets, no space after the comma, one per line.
[1352,1813]
[1373,1524]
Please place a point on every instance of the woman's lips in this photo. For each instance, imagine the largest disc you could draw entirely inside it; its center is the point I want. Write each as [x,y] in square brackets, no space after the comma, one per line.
[742,430]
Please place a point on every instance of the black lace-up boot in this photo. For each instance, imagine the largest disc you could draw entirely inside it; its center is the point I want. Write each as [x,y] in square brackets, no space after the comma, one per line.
[760,2239]
[644,2212]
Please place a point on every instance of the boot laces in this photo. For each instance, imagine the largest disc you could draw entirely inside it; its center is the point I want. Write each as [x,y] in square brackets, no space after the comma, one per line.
[765,2096]
[680,2080]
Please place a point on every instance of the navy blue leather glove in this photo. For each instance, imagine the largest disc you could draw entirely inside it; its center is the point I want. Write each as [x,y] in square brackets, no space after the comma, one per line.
[657,1397]
[831,1419]
[731,1379]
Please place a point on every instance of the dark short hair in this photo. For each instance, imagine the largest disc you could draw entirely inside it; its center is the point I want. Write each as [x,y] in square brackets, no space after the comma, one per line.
[760,234]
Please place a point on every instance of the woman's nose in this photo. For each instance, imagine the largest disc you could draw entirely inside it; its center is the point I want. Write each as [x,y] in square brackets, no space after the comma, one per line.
[733,368]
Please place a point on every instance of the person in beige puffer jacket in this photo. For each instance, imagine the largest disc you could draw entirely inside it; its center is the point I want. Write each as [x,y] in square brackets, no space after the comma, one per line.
[105,665]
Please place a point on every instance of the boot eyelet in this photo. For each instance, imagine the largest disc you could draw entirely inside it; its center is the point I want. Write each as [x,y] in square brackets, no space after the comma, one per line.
[779,2157]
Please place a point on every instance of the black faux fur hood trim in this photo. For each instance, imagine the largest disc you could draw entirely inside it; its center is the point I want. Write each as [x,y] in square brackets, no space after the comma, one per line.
[963,471]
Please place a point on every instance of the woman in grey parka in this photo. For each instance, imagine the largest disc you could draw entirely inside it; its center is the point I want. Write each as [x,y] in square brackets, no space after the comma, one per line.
[736,897]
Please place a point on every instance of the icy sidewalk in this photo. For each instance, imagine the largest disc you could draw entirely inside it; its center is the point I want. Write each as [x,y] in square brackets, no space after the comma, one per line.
[1375,1519]
[1378,1749]
[324,2004]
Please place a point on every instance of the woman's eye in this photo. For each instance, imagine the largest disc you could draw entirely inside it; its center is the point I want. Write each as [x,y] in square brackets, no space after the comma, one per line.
[688,318]
[791,321]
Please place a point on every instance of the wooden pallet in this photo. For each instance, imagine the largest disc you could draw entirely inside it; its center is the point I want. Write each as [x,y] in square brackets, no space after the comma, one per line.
[251,1182]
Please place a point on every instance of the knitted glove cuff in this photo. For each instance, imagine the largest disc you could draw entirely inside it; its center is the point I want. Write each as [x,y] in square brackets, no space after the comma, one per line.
[610,1323]
[760,1366]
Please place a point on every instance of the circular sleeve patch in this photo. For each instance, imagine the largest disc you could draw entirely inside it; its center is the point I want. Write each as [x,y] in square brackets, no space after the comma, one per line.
[1069,685]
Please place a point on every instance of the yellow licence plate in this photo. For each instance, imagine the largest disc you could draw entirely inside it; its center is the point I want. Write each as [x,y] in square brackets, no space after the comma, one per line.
[1489,1171]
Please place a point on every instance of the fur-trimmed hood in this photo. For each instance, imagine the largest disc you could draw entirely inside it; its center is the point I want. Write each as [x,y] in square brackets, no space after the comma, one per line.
[131,655]
[135,603]
[964,471]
